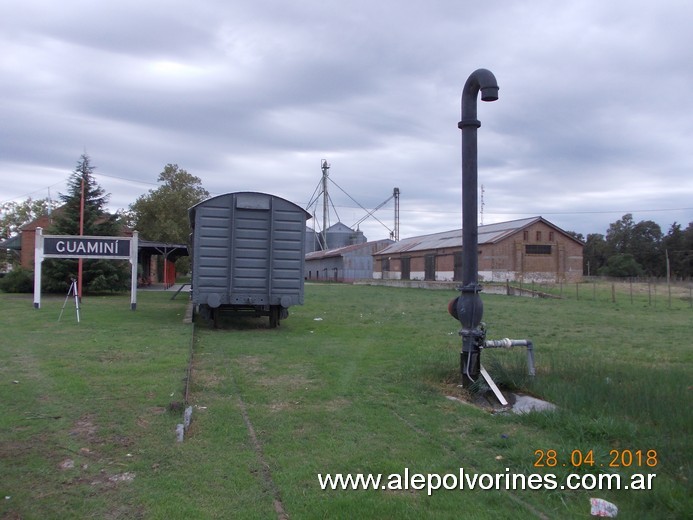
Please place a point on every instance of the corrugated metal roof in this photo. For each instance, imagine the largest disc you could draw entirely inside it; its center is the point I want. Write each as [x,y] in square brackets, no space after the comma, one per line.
[14,242]
[339,251]
[488,234]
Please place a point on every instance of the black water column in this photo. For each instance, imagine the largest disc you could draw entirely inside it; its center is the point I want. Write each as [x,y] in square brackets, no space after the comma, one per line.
[470,308]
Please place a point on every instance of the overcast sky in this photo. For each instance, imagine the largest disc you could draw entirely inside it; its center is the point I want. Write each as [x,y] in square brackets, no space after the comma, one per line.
[594,117]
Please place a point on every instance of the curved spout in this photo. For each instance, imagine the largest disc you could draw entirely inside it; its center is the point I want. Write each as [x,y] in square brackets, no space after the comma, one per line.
[480,80]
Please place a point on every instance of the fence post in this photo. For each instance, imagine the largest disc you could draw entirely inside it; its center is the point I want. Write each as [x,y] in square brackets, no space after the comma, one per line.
[669,290]
[613,292]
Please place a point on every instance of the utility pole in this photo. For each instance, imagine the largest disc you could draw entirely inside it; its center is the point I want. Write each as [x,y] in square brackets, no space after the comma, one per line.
[80,261]
[395,194]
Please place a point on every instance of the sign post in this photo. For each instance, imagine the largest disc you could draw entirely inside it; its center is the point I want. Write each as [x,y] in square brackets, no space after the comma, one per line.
[91,247]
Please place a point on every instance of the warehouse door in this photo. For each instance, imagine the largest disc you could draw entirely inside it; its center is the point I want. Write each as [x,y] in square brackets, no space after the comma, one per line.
[406,268]
[430,267]
[457,273]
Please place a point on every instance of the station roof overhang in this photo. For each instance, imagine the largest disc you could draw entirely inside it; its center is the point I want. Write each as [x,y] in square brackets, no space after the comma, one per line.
[169,251]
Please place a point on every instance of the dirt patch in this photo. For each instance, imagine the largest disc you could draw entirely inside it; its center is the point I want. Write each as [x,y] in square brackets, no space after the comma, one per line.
[332,405]
[288,382]
[335,405]
[66,464]
[121,441]
[282,406]
[208,380]
[143,420]
[12,450]
[252,364]
[84,427]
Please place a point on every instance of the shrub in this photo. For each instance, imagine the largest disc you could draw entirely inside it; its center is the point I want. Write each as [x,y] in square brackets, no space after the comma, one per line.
[622,266]
[18,280]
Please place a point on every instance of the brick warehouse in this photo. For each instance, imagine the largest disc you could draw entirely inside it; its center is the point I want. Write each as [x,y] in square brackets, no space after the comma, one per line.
[531,249]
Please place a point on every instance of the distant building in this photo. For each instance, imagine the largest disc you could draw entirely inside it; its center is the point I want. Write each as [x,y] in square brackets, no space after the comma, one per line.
[338,235]
[531,249]
[25,241]
[343,264]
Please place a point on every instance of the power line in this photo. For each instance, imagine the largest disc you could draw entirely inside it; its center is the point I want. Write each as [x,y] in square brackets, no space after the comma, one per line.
[125,179]
[29,194]
[95,174]
[621,211]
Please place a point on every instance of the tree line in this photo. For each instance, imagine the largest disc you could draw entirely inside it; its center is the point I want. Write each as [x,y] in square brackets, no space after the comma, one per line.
[631,249]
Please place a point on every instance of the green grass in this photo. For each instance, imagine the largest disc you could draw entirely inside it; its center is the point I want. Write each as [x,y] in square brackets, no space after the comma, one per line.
[353,381]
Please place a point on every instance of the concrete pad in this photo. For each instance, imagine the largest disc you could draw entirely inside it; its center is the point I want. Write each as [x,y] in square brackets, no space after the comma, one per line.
[526,404]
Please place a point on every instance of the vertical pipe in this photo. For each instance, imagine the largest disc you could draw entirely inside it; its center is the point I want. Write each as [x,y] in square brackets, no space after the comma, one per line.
[469,305]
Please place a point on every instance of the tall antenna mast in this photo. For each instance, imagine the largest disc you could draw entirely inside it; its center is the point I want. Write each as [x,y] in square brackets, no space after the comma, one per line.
[395,194]
[325,173]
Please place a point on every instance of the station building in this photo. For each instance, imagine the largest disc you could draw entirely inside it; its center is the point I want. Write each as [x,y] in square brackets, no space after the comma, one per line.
[150,253]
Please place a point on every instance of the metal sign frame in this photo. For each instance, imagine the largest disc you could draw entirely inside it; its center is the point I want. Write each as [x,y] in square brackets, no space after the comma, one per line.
[82,246]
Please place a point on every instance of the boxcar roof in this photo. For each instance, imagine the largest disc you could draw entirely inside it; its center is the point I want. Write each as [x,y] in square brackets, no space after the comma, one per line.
[192,210]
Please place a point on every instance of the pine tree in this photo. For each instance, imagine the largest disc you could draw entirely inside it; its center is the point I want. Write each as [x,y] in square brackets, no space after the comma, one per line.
[98,275]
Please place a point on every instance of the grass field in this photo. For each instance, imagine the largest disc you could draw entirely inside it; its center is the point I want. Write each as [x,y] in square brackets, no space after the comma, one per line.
[357,380]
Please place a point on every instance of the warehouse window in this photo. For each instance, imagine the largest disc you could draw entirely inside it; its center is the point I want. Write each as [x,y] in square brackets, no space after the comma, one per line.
[550,236]
[538,236]
[537,249]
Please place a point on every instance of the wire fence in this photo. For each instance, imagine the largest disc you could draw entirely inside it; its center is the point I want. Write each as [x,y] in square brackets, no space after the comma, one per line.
[653,292]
